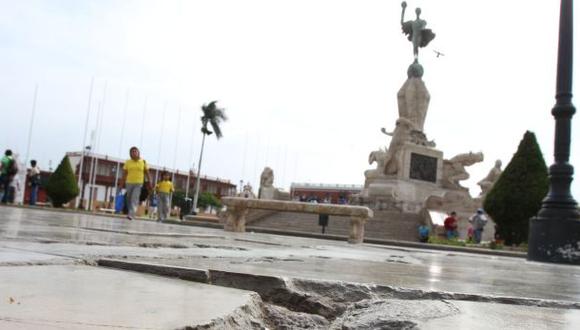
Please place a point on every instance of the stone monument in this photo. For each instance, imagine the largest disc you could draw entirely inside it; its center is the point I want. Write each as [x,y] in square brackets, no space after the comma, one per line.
[247,191]
[411,175]
[267,189]
[488,182]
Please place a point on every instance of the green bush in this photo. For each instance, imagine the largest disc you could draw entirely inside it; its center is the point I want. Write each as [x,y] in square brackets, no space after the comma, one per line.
[208,199]
[62,186]
[517,195]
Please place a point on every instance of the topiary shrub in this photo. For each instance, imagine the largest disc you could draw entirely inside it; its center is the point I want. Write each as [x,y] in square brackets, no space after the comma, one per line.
[207,199]
[517,195]
[62,186]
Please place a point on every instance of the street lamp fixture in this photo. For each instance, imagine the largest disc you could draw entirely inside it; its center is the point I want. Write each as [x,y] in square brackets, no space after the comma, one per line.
[555,230]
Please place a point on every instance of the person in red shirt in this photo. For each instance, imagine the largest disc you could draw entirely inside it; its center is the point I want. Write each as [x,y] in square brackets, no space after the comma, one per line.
[451,226]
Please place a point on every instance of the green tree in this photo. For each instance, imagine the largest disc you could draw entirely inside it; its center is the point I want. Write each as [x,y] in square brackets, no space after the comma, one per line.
[517,195]
[62,186]
[214,116]
[207,199]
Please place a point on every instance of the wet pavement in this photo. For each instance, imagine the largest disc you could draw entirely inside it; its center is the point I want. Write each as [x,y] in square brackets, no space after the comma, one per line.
[88,298]
[69,241]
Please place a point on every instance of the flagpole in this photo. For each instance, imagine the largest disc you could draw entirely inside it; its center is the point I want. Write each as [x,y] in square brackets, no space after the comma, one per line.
[121,143]
[99,131]
[143,122]
[189,171]
[80,198]
[160,142]
[176,143]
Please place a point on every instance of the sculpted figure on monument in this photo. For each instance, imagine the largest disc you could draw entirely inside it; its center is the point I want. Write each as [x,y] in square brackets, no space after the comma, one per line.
[247,192]
[267,178]
[379,157]
[416,31]
[454,169]
[267,189]
[401,134]
[487,182]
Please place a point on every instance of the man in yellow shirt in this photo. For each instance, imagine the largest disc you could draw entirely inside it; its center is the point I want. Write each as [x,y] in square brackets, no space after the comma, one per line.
[135,171]
[164,190]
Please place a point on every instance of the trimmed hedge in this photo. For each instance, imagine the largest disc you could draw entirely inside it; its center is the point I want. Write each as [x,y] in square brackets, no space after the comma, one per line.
[62,186]
[518,193]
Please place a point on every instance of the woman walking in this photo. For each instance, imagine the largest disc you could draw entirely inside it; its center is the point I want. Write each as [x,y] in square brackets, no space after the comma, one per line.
[135,175]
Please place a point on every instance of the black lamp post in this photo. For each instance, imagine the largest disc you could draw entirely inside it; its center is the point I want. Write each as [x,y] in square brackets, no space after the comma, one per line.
[555,231]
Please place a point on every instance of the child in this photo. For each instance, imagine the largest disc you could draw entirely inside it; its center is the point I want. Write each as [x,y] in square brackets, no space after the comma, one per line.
[470,234]
[164,188]
[451,226]
[423,234]
[153,206]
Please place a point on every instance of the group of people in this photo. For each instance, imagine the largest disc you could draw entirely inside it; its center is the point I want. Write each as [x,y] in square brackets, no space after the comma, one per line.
[136,178]
[10,184]
[474,232]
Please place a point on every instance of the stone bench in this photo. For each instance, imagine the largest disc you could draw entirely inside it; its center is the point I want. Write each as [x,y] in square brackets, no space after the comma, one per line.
[237,209]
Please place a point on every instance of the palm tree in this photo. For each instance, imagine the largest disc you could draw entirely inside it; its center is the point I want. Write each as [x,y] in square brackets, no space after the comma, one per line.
[214,116]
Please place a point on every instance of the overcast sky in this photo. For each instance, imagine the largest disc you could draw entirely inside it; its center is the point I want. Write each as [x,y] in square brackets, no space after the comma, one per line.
[307,85]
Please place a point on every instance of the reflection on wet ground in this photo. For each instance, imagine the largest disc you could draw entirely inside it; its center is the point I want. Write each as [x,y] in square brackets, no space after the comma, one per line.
[87,236]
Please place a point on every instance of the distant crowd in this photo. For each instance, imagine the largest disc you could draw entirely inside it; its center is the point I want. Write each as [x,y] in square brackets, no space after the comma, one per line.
[477,223]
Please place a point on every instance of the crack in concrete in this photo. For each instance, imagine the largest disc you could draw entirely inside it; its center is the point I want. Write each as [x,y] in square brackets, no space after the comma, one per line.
[163,245]
[261,242]
[313,304]
[265,260]
[222,247]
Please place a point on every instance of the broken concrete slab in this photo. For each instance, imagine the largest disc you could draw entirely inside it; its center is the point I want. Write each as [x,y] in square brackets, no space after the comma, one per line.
[89,297]
[312,283]
[14,257]
[307,304]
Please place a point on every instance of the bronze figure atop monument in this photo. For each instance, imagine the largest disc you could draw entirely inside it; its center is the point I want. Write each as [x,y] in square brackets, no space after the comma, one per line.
[416,31]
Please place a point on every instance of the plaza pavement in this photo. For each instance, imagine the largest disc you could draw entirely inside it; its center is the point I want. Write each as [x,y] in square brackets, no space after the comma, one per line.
[71,270]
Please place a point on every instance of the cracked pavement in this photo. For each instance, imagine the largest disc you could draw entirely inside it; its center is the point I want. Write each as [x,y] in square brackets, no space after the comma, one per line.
[456,286]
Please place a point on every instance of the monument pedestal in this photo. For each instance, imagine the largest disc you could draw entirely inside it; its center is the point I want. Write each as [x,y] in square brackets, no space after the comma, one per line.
[408,190]
[413,100]
[412,176]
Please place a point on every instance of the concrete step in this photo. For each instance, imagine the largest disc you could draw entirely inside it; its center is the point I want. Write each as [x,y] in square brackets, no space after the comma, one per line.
[384,225]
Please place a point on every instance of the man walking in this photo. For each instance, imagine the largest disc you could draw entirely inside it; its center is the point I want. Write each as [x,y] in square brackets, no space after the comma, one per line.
[8,170]
[33,181]
[478,221]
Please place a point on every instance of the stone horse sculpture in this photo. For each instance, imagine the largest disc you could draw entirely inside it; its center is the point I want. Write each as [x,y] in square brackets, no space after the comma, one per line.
[377,156]
[454,169]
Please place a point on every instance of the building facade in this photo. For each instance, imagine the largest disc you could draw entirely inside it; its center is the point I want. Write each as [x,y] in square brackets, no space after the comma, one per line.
[101,174]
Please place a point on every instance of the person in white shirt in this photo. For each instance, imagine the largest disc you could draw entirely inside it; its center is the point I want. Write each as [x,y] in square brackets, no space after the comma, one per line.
[33,182]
